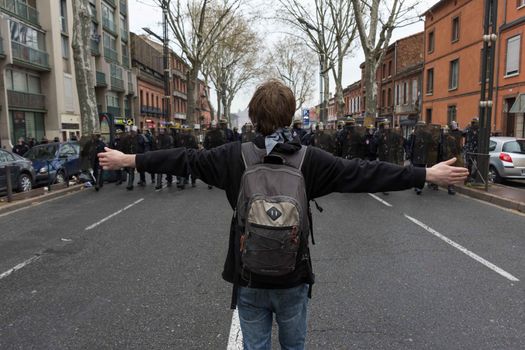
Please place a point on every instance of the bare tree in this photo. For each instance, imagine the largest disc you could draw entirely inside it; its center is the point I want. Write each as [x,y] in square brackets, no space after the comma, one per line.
[187,20]
[295,66]
[233,62]
[376,20]
[83,70]
[331,33]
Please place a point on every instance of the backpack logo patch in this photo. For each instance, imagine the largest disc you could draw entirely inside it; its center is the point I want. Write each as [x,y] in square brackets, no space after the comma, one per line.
[274,213]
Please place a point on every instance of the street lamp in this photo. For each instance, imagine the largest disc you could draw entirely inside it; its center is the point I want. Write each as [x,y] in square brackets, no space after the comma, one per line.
[309,26]
[165,59]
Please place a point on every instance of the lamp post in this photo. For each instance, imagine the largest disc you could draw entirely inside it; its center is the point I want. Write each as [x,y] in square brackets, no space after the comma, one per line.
[309,26]
[165,59]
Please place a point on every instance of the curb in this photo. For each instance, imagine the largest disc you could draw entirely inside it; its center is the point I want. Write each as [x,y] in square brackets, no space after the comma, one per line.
[4,208]
[491,198]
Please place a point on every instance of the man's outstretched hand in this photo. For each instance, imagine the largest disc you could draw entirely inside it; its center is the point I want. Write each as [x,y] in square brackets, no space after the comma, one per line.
[113,160]
[445,174]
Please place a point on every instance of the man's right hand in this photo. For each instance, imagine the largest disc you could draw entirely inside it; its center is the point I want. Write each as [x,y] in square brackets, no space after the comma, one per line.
[113,160]
[445,174]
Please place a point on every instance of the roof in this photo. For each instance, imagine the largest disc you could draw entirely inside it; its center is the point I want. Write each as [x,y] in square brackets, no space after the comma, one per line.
[435,7]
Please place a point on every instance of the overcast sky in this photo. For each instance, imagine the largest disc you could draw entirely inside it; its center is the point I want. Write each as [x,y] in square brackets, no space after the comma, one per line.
[143,13]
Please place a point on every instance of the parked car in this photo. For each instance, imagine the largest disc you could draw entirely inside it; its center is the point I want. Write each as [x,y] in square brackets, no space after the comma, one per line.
[507,158]
[55,162]
[22,173]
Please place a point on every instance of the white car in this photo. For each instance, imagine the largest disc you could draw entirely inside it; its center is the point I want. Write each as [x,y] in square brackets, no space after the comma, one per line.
[507,159]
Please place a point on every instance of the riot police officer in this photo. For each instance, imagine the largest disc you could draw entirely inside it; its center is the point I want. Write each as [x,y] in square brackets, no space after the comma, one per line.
[163,141]
[248,133]
[297,128]
[370,143]
[117,144]
[471,145]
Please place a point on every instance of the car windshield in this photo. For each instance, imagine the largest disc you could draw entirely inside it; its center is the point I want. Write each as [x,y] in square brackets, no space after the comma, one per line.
[42,152]
[517,146]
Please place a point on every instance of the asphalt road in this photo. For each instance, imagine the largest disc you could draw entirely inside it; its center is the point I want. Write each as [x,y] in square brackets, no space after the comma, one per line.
[141,270]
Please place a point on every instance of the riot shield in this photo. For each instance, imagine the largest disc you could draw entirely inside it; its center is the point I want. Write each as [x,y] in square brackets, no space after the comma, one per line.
[359,147]
[325,140]
[396,154]
[418,147]
[433,144]
[451,147]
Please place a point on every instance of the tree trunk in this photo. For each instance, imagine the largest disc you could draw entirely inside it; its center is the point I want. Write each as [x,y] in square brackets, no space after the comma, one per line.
[371,92]
[193,75]
[83,71]
[225,105]
[326,97]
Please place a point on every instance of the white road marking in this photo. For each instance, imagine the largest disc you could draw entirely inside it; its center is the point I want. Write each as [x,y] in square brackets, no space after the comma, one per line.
[379,199]
[19,266]
[235,338]
[112,215]
[464,250]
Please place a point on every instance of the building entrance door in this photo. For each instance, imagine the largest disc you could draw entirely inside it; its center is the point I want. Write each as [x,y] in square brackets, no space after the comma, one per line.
[509,118]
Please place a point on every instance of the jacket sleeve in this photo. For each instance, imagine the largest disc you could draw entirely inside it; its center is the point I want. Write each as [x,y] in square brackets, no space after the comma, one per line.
[325,173]
[220,167]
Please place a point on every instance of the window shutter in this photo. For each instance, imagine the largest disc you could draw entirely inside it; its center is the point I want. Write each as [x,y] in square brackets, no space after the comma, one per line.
[513,55]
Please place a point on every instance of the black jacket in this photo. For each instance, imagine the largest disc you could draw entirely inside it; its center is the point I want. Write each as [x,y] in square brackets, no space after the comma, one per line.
[222,167]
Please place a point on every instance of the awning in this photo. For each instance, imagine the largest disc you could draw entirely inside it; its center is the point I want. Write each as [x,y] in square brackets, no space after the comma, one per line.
[519,105]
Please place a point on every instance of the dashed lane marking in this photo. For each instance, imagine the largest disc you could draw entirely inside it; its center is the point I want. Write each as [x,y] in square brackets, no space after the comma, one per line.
[235,338]
[112,215]
[19,266]
[380,200]
[464,250]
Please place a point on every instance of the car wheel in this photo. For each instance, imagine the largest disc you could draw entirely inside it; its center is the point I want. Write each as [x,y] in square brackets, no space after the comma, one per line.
[24,183]
[494,177]
[60,177]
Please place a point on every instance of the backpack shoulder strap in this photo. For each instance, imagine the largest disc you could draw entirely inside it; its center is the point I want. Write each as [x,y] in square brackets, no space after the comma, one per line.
[251,155]
[296,159]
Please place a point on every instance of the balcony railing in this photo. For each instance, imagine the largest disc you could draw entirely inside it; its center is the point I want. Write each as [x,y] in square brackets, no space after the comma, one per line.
[101,79]
[109,25]
[117,84]
[150,110]
[123,7]
[21,9]
[25,100]
[94,47]
[115,111]
[131,88]
[407,109]
[111,54]
[111,2]
[30,55]
[179,94]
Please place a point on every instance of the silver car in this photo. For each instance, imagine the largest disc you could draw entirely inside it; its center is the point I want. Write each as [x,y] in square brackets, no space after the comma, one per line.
[507,159]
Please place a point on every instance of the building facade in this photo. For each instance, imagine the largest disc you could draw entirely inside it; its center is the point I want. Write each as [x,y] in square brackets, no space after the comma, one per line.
[38,93]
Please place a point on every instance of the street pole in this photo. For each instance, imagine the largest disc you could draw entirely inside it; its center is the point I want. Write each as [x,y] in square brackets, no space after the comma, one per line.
[166,63]
[321,88]
[485,103]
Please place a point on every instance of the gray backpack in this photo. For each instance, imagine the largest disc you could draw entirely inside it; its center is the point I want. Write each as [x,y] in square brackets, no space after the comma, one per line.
[272,212]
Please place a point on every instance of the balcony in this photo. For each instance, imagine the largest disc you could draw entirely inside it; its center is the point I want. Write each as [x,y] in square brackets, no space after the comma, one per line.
[34,57]
[123,8]
[109,25]
[125,61]
[111,2]
[20,9]
[17,99]
[180,94]
[94,47]
[410,108]
[101,79]
[124,35]
[131,89]
[117,84]
[115,111]
[150,110]
[110,54]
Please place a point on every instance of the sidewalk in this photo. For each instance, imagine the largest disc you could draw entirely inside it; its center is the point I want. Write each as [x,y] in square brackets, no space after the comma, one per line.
[501,195]
[39,196]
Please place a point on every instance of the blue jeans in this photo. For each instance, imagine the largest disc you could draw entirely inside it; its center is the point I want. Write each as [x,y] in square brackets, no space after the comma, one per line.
[256,309]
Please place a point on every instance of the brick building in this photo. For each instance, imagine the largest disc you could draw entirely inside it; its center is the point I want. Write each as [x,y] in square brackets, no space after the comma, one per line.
[453,54]
[353,100]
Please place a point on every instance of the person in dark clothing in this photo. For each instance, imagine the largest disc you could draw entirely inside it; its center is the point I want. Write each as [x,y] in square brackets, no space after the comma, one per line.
[188,141]
[223,124]
[117,144]
[297,128]
[20,148]
[98,171]
[142,146]
[163,141]
[323,174]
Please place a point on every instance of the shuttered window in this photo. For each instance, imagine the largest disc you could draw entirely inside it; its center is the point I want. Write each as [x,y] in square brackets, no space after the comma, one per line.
[512,65]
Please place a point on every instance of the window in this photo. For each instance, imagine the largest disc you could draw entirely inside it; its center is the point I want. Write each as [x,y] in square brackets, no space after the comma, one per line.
[453,77]
[430,81]
[430,44]
[108,17]
[517,146]
[451,114]
[520,3]
[383,97]
[63,16]
[68,94]
[65,47]
[20,81]
[429,115]
[414,91]
[512,66]
[405,92]
[455,29]
[397,94]
[389,68]
[389,96]
[27,36]
[492,146]
[383,71]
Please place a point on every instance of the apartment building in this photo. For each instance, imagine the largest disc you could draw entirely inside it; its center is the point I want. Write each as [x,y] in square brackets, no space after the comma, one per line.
[38,94]
[116,85]
[352,95]
[509,74]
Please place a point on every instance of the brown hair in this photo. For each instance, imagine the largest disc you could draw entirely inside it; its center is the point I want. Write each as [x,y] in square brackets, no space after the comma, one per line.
[272,106]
